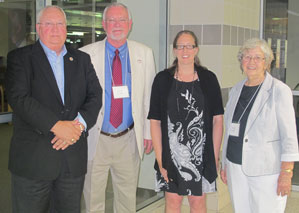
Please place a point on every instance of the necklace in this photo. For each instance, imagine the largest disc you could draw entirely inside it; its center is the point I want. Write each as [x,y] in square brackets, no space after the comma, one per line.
[177,93]
[180,79]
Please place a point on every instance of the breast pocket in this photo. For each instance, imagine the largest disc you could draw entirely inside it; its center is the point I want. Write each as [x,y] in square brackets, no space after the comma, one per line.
[267,124]
[273,141]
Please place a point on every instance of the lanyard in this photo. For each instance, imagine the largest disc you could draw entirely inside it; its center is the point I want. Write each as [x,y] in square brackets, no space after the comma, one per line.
[249,103]
[110,68]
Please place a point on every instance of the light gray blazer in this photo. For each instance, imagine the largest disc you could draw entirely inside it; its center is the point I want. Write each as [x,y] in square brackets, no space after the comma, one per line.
[143,72]
[270,135]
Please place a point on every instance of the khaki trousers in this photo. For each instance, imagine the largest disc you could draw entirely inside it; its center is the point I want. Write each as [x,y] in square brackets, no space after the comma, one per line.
[119,156]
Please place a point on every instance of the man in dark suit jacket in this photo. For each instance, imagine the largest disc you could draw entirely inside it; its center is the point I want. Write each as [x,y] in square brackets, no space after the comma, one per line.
[55,96]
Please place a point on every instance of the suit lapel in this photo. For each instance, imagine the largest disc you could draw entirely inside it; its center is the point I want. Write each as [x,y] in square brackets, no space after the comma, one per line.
[98,60]
[136,74]
[41,59]
[133,75]
[70,69]
[259,102]
[233,103]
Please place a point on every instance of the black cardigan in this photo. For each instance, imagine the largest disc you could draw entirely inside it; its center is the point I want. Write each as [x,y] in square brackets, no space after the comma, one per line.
[213,106]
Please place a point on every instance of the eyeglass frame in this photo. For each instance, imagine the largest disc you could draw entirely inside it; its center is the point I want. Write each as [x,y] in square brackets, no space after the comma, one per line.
[256,59]
[187,46]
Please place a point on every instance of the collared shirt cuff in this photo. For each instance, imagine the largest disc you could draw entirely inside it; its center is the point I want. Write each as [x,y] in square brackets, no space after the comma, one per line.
[81,120]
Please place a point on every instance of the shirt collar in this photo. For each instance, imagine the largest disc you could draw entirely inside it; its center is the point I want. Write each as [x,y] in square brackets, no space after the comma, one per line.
[122,49]
[50,52]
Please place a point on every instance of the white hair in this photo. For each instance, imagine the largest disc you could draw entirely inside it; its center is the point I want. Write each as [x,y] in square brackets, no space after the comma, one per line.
[40,13]
[116,4]
[254,43]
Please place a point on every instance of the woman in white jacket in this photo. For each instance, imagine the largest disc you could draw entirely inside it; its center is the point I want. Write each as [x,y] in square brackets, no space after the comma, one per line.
[260,143]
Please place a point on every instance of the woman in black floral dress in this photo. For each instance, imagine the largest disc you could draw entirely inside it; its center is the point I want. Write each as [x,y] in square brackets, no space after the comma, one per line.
[186,126]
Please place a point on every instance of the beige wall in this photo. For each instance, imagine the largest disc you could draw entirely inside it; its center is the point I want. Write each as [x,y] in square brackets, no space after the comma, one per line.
[242,13]
[221,26]
[196,12]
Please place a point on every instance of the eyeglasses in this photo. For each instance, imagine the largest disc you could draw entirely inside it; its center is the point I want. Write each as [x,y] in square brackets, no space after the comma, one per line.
[256,59]
[51,24]
[114,21]
[187,46]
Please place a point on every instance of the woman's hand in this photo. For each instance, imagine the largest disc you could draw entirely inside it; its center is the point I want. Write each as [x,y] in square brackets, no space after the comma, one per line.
[284,183]
[217,162]
[164,174]
[223,175]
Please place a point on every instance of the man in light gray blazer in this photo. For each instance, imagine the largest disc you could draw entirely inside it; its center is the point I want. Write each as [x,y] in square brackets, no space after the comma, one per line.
[119,149]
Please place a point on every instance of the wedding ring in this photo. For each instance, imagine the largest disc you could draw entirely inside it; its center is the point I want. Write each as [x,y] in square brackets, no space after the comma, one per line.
[73,140]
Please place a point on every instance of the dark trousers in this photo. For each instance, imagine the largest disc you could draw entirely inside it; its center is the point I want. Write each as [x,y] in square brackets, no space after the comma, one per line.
[62,195]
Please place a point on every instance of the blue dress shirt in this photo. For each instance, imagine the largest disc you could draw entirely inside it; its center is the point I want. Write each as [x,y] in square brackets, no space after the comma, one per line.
[126,80]
[57,65]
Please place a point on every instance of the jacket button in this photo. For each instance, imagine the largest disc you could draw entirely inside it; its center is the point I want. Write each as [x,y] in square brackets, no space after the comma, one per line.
[246,140]
[38,131]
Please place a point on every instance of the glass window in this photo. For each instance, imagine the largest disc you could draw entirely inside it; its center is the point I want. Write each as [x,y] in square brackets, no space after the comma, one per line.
[17,21]
[84,20]
[281,30]
[275,32]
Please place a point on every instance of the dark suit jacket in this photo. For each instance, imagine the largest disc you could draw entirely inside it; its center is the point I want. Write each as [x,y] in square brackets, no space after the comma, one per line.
[34,96]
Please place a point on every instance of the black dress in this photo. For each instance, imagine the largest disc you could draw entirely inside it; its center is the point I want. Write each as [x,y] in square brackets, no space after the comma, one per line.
[187,139]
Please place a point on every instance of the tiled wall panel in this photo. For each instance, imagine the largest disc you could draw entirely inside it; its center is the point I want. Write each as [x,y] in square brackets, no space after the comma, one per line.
[221,26]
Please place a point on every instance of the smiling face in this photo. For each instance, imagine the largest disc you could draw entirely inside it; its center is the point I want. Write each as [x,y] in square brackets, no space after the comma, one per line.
[186,54]
[51,29]
[253,63]
[117,25]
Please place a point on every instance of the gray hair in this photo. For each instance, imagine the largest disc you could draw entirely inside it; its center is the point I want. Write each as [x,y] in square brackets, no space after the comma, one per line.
[116,4]
[41,12]
[253,43]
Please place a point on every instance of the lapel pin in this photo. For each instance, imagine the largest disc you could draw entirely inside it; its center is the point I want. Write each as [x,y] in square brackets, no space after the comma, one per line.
[71,58]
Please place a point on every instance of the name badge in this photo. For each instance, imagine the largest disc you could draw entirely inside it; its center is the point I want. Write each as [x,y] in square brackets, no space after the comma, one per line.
[234,129]
[120,92]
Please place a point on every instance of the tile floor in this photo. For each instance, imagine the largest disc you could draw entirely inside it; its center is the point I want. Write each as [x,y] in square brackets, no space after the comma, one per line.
[158,207]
